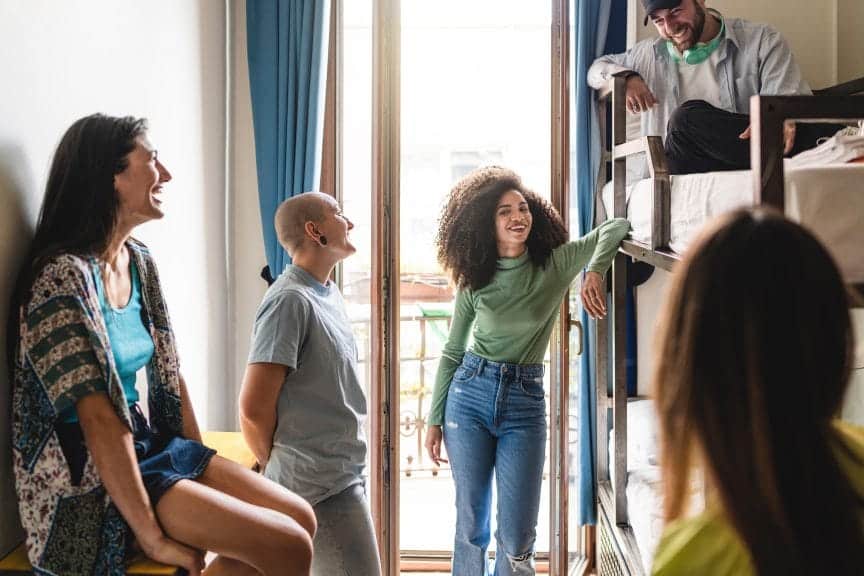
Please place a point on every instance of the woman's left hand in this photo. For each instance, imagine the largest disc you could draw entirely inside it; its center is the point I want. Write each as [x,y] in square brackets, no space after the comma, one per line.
[594,295]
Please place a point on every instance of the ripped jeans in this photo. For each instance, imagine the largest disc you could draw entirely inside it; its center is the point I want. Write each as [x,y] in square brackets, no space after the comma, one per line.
[495,419]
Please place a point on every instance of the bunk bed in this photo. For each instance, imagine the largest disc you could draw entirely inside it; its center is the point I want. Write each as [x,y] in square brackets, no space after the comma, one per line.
[659,236]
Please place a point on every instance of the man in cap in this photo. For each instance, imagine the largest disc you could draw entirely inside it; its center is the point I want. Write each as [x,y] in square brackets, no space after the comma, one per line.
[693,84]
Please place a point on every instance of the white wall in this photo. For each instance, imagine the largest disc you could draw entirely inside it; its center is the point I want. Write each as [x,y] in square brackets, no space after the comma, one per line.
[161,59]
[247,253]
[850,40]
[650,297]
[825,35]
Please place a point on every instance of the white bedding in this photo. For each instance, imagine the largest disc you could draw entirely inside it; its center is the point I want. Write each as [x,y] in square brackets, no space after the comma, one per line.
[644,493]
[827,199]
[853,405]
[642,442]
[645,509]
[644,489]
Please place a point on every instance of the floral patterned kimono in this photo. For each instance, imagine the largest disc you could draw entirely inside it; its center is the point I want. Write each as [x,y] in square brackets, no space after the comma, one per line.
[63,355]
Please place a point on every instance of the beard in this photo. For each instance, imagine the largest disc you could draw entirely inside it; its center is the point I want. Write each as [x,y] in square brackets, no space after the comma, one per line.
[696,30]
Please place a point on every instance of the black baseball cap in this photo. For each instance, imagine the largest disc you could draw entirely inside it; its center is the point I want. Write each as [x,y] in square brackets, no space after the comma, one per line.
[652,5]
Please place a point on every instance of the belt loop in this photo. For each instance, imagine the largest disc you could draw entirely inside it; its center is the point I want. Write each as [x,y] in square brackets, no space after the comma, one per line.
[481,364]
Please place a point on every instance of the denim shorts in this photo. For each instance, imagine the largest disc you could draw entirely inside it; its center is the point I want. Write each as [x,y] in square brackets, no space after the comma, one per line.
[162,461]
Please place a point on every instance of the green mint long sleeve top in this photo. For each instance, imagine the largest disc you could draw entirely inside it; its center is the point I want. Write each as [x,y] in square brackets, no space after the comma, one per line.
[512,317]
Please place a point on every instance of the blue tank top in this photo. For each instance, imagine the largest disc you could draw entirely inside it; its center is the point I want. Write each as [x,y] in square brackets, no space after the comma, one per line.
[131,343]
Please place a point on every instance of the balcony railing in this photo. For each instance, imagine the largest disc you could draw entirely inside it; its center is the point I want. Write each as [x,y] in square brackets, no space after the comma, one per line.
[423,331]
[422,336]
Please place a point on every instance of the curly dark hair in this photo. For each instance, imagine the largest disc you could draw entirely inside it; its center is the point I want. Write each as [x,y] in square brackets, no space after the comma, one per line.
[466,242]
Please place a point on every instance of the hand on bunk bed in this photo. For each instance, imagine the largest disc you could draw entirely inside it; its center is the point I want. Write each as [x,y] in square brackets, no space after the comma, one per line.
[639,97]
[788,135]
[594,295]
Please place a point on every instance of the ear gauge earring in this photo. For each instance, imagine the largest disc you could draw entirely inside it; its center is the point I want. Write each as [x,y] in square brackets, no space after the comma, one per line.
[323,240]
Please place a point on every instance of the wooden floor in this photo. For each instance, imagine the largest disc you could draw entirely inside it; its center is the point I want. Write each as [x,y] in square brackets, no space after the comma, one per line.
[434,568]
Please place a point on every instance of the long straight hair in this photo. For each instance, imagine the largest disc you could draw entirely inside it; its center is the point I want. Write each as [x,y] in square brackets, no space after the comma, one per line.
[755,357]
[79,209]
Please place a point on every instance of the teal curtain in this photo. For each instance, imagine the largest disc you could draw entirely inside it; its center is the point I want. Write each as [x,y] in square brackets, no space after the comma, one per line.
[594,21]
[287,43]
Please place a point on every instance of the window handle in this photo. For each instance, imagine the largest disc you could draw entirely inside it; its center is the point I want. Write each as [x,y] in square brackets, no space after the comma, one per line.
[577,324]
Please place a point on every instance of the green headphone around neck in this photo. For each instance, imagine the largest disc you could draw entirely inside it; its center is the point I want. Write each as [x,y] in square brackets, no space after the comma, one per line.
[700,52]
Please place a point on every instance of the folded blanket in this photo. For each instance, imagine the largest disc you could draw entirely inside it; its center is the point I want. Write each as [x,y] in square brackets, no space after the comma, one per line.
[845,146]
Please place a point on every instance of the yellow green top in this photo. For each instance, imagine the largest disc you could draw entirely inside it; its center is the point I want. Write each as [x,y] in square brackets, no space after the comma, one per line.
[708,545]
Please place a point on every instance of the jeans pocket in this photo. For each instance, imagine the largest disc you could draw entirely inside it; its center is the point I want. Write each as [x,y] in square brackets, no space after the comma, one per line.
[533,386]
[464,374]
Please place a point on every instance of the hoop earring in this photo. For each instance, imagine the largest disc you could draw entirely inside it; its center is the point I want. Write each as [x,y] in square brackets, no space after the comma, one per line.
[323,240]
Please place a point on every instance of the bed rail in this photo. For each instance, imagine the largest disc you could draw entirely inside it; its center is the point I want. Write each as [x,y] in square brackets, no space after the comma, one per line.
[768,113]
[622,149]
[842,102]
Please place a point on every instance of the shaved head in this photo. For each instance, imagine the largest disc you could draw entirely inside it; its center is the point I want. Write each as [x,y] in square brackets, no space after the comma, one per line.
[293,214]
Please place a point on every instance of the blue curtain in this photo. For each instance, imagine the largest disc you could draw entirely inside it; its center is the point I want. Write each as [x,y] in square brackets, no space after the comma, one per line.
[287,43]
[591,28]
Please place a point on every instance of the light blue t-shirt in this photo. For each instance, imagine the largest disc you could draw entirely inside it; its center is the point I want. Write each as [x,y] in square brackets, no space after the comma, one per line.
[131,342]
[319,447]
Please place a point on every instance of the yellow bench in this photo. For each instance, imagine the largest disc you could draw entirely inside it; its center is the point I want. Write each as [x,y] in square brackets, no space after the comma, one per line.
[17,563]
[229,445]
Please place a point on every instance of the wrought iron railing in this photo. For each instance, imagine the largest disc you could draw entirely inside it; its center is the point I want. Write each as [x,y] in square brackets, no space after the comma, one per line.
[417,382]
[422,336]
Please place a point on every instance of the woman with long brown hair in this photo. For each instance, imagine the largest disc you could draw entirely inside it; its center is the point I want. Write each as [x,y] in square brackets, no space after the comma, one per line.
[96,478]
[755,356]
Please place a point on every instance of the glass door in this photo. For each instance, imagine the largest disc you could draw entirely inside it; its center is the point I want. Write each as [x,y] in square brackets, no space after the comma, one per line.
[429,91]
[475,91]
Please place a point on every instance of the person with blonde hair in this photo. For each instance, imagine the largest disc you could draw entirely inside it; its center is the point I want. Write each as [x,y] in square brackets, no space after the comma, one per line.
[754,361]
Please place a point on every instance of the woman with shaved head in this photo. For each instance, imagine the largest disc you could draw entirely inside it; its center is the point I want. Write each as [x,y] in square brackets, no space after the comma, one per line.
[302,408]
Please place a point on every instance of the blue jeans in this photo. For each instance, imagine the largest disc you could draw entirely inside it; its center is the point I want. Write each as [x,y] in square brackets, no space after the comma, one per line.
[495,418]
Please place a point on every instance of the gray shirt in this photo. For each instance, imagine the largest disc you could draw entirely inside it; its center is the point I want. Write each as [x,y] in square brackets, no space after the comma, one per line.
[752,59]
[319,447]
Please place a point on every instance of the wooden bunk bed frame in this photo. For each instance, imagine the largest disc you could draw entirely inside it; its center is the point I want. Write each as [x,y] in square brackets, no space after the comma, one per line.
[617,551]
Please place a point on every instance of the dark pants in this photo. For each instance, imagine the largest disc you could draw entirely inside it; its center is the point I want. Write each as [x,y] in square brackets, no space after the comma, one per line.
[702,138]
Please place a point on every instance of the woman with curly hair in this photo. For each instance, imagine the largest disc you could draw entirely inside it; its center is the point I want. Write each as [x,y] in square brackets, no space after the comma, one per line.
[507,252]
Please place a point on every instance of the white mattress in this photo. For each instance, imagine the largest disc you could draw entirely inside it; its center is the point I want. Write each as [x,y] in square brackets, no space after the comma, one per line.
[644,487]
[642,441]
[853,405]
[645,509]
[827,199]
[644,492]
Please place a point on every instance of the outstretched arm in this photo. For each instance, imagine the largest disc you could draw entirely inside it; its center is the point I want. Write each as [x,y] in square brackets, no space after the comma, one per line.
[593,252]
